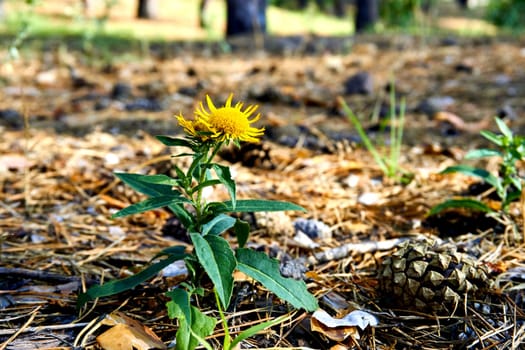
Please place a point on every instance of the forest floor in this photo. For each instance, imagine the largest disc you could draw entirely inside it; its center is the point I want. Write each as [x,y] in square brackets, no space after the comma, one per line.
[68,122]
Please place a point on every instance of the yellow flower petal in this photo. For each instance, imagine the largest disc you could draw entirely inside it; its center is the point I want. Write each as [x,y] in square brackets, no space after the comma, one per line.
[228,122]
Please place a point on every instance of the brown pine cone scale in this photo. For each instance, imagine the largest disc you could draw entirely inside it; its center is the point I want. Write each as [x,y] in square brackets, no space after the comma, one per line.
[427,277]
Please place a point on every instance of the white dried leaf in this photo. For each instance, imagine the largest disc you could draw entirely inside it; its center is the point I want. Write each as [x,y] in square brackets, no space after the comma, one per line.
[356,318]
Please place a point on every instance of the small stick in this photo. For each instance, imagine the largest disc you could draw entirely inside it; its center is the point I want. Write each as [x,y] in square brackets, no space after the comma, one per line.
[37,275]
[22,329]
[4,332]
[364,247]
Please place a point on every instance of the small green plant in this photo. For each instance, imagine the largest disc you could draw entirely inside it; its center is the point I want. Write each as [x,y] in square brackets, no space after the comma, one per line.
[399,13]
[507,183]
[506,13]
[205,222]
[388,163]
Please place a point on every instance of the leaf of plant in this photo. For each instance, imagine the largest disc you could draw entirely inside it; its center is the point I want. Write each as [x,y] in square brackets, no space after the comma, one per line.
[136,182]
[492,137]
[121,285]
[160,179]
[201,326]
[250,332]
[253,205]
[193,325]
[242,231]
[149,204]
[482,153]
[205,184]
[179,305]
[218,225]
[224,175]
[504,128]
[174,141]
[266,270]
[476,172]
[217,258]
[465,203]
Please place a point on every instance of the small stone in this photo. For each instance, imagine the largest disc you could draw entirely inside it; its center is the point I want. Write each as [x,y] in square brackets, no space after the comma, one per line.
[121,91]
[432,105]
[313,228]
[360,83]
[11,118]
[144,104]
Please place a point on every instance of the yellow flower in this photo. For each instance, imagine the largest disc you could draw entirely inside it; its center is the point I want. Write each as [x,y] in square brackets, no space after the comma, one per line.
[224,123]
[195,128]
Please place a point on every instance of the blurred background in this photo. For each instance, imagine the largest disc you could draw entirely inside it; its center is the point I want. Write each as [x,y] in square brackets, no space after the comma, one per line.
[157,20]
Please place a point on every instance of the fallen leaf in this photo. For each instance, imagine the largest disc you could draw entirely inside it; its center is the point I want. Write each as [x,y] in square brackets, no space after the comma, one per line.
[127,334]
[339,329]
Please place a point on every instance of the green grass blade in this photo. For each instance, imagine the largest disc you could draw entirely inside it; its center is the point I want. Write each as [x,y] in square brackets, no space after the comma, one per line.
[466,203]
[364,137]
[250,332]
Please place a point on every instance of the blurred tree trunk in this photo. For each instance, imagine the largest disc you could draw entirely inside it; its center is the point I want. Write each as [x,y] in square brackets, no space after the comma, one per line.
[245,17]
[2,10]
[366,14]
[302,4]
[340,8]
[148,9]
[463,3]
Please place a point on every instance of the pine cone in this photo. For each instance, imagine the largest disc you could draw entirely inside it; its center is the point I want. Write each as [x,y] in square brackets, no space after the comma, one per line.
[427,277]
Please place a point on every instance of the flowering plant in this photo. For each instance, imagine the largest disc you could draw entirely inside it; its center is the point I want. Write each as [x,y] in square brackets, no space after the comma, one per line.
[205,222]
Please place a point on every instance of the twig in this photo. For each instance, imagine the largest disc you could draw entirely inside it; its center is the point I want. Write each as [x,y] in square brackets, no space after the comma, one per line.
[4,332]
[37,275]
[22,329]
[363,247]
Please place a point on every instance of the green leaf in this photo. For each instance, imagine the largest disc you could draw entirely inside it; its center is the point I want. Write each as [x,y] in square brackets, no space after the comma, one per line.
[121,285]
[181,176]
[149,204]
[242,231]
[266,270]
[205,184]
[218,225]
[194,326]
[155,190]
[179,305]
[136,182]
[160,179]
[476,172]
[250,332]
[482,153]
[504,128]
[253,205]
[492,137]
[187,219]
[201,327]
[224,175]
[217,259]
[464,203]
[174,141]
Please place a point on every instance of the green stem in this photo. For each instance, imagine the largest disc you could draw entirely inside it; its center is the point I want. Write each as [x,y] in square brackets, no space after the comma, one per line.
[227,337]
[206,160]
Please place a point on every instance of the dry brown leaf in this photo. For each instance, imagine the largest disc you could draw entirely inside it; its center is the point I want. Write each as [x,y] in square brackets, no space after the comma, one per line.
[128,334]
[339,329]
